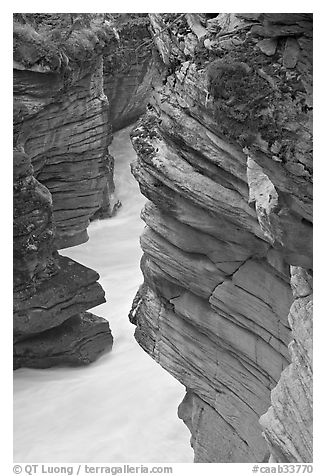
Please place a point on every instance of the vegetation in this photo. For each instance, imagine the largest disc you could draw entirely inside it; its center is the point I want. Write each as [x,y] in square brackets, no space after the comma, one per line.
[54,40]
[132,29]
[253,97]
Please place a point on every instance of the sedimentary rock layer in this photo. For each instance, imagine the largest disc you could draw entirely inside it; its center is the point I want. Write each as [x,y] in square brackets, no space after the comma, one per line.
[60,139]
[63,120]
[78,341]
[200,316]
[51,292]
[33,233]
[72,289]
[288,422]
[224,156]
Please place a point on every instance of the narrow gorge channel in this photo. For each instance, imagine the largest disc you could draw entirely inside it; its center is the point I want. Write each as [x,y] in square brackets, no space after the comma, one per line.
[115,409]
[201,126]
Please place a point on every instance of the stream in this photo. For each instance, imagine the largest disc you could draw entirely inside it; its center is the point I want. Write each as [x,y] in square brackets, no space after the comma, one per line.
[123,407]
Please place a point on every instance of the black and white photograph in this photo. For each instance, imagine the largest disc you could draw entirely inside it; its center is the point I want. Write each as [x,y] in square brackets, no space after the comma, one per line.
[162,240]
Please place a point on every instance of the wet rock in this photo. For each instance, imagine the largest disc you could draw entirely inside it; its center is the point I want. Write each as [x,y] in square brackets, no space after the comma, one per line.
[80,340]
[72,289]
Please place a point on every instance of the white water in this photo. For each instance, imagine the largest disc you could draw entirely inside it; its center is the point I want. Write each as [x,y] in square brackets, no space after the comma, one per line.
[123,407]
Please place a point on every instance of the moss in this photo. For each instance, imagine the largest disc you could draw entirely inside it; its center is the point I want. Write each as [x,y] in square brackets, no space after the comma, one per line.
[239,96]
[254,96]
[55,40]
[146,130]
[132,30]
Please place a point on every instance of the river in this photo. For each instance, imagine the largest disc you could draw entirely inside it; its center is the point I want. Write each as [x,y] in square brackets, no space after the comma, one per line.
[122,408]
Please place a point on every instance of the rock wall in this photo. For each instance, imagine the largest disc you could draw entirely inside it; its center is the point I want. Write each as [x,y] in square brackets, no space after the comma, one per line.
[128,72]
[288,422]
[64,128]
[61,135]
[51,293]
[224,157]
[63,172]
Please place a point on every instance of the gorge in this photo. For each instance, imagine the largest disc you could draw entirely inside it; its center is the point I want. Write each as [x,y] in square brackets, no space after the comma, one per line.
[224,158]
[100,411]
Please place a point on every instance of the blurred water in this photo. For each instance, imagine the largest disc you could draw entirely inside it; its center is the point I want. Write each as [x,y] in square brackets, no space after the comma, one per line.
[123,407]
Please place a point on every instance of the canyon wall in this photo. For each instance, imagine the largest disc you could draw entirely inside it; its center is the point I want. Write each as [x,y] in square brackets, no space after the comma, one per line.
[74,76]
[129,71]
[288,422]
[225,159]
[61,167]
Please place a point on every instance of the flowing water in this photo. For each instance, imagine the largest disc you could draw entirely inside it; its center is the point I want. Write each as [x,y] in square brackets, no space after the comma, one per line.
[123,407]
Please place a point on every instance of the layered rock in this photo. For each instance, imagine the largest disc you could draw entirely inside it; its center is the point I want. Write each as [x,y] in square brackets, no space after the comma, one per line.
[51,293]
[78,341]
[63,118]
[60,142]
[288,422]
[224,156]
[129,70]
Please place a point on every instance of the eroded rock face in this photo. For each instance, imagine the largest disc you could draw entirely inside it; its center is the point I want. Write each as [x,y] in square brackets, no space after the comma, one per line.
[129,70]
[65,131]
[33,233]
[223,161]
[78,341]
[201,316]
[51,292]
[288,422]
[60,137]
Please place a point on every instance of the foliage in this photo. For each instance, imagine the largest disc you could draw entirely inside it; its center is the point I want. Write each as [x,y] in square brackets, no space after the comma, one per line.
[252,97]
[132,29]
[54,40]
